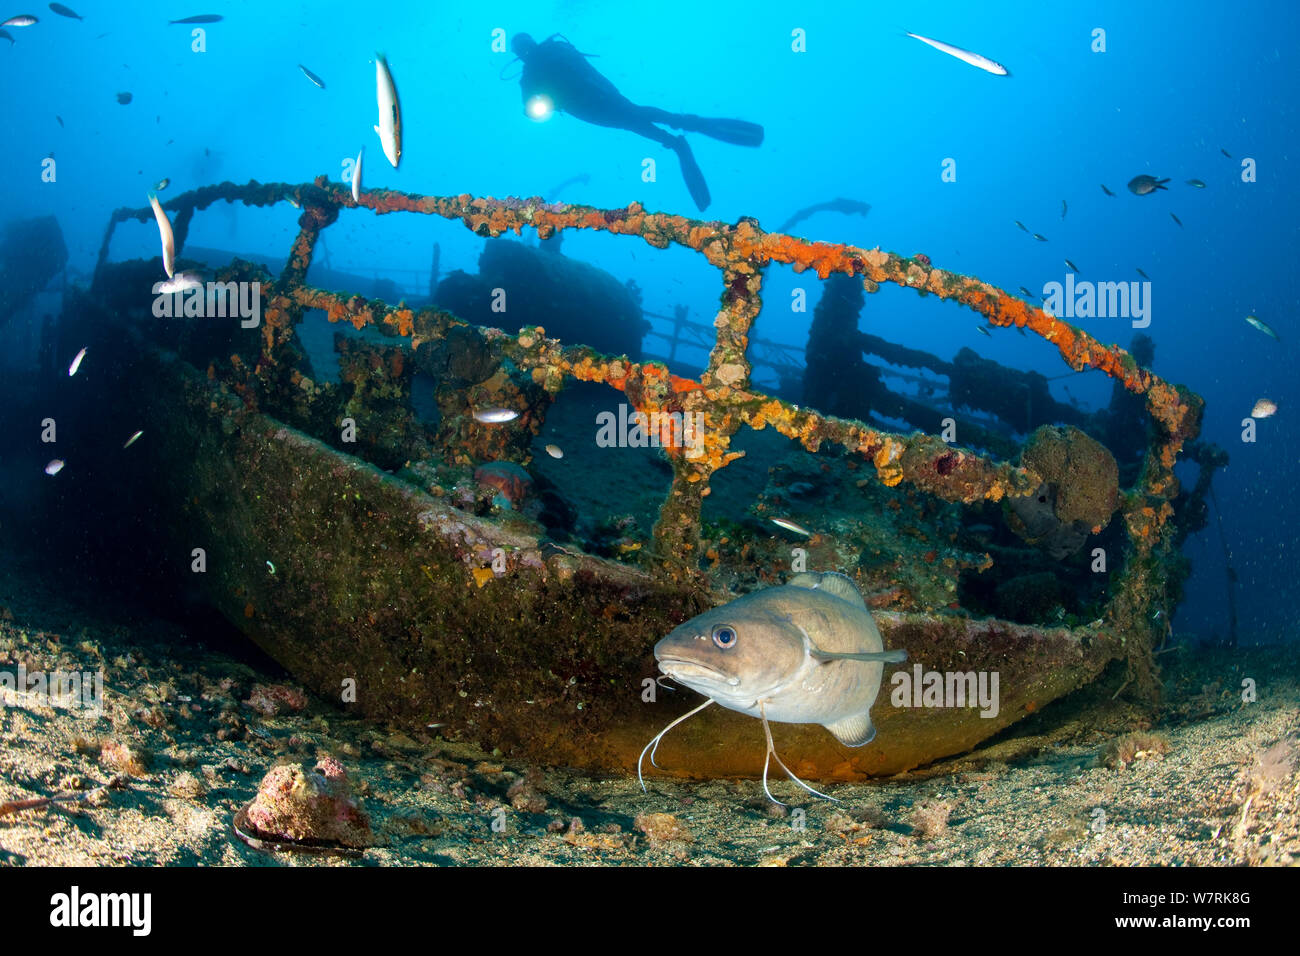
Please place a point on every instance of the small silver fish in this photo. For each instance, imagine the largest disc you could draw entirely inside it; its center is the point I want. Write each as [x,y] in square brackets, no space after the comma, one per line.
[54,467]
[312,76]
[495,416]
[161,184]
[1142,274]
[22,20]
[165,232]
[1261,326]
[966,56]
[789,525]
[1263,408]
[1196,182]
[76,363]
[984,329]
[1040,237]
[293,202]
[133,439]
[356,177]
[1026,292]
[1071,266]
[1021,225]
[1177,220]
[806,652]
[554,451]
[389,127]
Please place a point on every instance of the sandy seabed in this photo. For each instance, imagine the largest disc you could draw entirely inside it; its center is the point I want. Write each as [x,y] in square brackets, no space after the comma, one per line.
[156,779]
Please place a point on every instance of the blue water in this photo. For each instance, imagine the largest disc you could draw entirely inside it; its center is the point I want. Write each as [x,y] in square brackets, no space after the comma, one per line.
[864,113]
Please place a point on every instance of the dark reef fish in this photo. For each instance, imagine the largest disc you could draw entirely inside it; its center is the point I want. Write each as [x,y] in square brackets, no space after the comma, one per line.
[1145,185]
[63,11]
[1177,220]
[200,18]
[124,98]
[850,207]
[5,34]
[806,652]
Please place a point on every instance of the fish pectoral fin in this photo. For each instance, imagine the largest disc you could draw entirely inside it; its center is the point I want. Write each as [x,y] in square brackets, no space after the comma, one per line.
[884,657]
[855,731]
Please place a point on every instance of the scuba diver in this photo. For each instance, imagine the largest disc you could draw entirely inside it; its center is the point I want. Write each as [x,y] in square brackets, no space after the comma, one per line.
[556,76]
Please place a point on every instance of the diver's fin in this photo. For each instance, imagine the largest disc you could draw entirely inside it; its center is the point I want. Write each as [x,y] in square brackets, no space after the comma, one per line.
[737,132]
[692,174]
[832,582]
[855,731]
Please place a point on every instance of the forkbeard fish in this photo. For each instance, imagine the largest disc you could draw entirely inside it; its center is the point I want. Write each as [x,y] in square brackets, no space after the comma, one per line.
[806,652]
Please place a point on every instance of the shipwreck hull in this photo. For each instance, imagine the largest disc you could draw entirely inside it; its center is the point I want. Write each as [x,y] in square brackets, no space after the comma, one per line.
[383,599]
[352,564]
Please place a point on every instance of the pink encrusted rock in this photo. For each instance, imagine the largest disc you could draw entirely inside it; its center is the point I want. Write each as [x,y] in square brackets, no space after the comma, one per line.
[297,804]
[272,699]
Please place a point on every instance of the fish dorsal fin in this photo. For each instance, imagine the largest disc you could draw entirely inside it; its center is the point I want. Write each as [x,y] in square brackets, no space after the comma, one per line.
[832,582]
[855,731]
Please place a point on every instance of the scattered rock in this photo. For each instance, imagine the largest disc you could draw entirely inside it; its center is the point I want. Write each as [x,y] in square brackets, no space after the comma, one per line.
[662,828]
[299,805]
[187,786]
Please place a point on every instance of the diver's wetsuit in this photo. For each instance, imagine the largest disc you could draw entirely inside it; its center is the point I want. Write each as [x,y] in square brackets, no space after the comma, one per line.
[556,70]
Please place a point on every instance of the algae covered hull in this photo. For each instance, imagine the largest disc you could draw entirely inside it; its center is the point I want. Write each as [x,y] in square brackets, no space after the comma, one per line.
[382,598]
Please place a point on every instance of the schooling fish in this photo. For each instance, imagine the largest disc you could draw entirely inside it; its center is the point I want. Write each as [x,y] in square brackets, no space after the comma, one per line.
[1040,237]
[1071,266]
[124,98]
[1063,208]
[1263,408]
[356,178]
[554,451]
[1225,152]
[806,652]
[1261,326]
[1026,292]
[165,232]
[984,329]
[1144,185]
[60,119]
[63,11]
[1021,225]
[1105,190]
[76,363]
[5,34]
[966,56]
[22,20]
[161,184]
[1196,182]
[1141,273]
[312,76]
[54,467]
[390,114]
[201,18]
[133,439]
[789,525]
[495,416]
[1177,220]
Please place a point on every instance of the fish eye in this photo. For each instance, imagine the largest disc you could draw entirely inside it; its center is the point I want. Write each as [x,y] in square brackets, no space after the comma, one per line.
[724,636]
